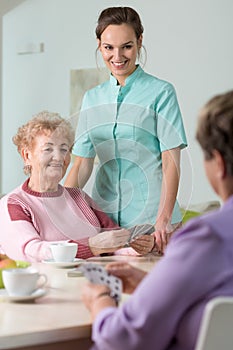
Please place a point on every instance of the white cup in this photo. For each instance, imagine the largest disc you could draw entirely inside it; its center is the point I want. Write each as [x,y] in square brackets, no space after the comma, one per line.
[64,252]
[22,282]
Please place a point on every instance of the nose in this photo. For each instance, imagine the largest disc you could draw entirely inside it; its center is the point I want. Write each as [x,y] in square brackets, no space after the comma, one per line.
[58,155]
[117,53]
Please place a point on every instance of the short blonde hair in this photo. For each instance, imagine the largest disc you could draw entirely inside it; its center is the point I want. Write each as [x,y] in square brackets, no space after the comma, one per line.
[41,123]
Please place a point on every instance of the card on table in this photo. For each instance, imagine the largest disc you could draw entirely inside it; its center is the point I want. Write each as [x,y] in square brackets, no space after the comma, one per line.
[97,274]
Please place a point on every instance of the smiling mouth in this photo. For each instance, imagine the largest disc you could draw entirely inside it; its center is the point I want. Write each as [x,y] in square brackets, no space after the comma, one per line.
[119,64]
[55,165]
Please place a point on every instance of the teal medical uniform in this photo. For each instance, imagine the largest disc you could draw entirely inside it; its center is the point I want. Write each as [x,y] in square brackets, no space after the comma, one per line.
[128,127]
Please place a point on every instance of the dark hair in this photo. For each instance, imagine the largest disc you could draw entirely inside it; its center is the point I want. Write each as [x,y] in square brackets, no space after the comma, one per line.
[215,128]
[119,15]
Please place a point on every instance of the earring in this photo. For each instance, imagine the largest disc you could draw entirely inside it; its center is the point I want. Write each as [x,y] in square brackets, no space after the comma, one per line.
[27,169]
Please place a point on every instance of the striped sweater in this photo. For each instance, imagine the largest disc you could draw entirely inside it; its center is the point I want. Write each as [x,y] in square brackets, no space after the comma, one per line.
[30,221]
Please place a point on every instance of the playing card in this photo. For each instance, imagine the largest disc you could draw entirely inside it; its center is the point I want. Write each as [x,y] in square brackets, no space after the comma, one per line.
[115,285]
[140,230]
[97,274]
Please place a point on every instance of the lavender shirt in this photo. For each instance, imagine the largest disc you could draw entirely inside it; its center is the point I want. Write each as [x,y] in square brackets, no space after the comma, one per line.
[165,310]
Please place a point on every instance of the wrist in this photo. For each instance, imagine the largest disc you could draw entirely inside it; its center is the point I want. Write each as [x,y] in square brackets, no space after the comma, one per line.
[100,302]
[106,294]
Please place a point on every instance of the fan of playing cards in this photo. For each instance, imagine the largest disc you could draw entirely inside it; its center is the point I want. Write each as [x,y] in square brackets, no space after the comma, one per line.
[97,274]
[140,230]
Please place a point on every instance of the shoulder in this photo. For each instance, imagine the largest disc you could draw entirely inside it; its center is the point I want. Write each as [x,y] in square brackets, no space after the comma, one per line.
[77,194]
[91,96]
[217,223]
[15,195]
[16,206]
[103,86]
[160,84]
[73,191]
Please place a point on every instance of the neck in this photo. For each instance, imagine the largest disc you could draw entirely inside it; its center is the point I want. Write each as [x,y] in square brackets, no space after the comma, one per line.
[45,186]
[226,189]
[121,79]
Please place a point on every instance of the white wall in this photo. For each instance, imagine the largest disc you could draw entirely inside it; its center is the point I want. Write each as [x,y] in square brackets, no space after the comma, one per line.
[5,6]
[188,43]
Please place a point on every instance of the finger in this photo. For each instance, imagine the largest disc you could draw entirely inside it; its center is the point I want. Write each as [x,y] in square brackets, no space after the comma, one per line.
[158,240]
[116,264]
[165,238]
[121,233]
[145,240]
[142,239]
[141,249]
[119,269]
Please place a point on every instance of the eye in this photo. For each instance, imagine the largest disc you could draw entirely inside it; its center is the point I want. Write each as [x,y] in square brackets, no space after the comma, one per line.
[48,149]
[128,47]
[108,47]
[64,150]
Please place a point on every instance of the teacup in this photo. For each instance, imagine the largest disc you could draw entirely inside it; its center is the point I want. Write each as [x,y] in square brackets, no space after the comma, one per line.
[22,282]
[64,252]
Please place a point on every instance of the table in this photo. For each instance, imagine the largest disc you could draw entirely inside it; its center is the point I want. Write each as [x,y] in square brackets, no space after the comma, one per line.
[59,320]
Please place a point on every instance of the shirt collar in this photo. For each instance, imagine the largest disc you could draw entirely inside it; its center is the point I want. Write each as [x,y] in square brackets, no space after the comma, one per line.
[27,189]
[130,79]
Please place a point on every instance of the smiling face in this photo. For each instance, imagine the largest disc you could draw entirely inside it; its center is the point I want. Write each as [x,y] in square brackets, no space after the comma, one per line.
[119,47]
[49,159]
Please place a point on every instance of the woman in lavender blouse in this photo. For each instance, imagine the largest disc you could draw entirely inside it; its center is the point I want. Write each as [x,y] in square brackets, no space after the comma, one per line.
[166,306]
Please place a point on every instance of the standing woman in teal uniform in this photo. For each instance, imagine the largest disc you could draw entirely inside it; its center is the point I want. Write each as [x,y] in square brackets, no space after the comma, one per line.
[132,122]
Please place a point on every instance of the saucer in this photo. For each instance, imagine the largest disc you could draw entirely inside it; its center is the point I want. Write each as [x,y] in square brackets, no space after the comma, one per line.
[64,264]
[17,298]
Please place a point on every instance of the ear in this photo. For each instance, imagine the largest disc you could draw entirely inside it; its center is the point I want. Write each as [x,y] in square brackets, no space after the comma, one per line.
[140,41]
[25,155]
[220,165]
[98,44]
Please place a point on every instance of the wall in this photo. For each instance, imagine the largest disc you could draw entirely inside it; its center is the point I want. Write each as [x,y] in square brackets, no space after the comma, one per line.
[188,43]
[5,6]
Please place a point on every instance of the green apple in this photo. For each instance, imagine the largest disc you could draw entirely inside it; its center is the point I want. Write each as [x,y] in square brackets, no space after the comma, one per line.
[5,263]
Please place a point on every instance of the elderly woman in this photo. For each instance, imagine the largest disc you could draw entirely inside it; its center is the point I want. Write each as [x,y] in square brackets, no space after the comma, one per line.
[41,211]
[165,310]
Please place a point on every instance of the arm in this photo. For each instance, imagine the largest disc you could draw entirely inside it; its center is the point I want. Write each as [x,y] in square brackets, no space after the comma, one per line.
[20,240]
[108,241]
[170,183]
[142,245]
[164,297]
[131,276]
[80,172]
[97,297]
[21,226]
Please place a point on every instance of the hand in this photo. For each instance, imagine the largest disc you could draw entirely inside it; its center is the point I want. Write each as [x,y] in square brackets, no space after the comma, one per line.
[92,299]
[130,276]
[109,241]
[143,244]
[90,292]
[162,235]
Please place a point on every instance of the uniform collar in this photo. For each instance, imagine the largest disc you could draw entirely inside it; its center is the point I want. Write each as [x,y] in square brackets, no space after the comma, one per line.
[129,80]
